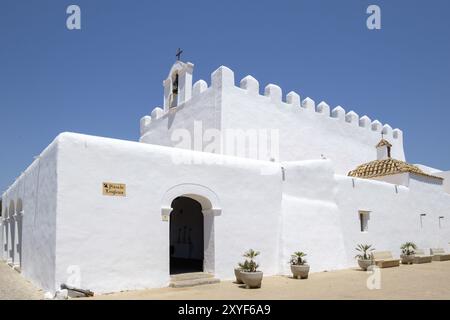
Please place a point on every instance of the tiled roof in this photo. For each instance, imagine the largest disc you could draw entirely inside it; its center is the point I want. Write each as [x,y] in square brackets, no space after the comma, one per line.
[379,168]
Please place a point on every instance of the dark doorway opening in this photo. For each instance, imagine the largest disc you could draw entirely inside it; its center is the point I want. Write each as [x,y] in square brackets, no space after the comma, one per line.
[186,236]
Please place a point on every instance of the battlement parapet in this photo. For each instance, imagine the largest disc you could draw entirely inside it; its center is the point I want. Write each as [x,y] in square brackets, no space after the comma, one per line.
[223,78]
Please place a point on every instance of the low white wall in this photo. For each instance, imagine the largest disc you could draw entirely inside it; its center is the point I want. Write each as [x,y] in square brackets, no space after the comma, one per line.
[394,215]
[401,179]
[321,215]
[446,176]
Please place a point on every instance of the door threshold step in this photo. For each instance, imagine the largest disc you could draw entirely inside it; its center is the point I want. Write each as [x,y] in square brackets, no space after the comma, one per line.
[191,276]
[192,282]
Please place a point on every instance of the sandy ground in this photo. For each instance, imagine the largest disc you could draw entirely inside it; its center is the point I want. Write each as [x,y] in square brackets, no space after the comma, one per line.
[14,287]
[425,281]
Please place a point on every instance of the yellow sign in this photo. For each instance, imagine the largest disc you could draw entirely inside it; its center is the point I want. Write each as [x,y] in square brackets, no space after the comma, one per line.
[114,189]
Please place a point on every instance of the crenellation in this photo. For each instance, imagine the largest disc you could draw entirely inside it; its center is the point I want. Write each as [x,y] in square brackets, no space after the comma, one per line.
[157,113]
[365,122]
[309,104]
[223,77]
[199,87]
[352,118]
[376,126]
[273,92]
[293,98]
[323,108]
[338,113]
[397,133]
[250,84]
[387,130]
[145,124]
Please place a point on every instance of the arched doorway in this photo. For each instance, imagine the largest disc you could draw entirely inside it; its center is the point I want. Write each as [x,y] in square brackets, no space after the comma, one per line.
[174,96]
[6,235]
[19,237]
[186,236]
[12,231]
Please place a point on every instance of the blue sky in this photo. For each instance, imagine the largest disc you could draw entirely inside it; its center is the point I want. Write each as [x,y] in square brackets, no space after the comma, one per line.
[102,79]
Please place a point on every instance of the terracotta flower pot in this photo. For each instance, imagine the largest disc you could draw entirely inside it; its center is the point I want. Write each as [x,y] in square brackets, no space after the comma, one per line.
[237,273]
[364,264]
[300,271]
[252,279]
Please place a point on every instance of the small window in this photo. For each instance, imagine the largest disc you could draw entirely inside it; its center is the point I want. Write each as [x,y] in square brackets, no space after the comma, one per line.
[441,222]
[422,218]
[364,217]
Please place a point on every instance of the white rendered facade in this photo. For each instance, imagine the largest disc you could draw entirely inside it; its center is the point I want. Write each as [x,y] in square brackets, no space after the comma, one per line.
[295,195]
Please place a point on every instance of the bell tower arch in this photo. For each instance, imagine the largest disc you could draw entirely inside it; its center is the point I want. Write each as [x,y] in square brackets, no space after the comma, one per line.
[178,85]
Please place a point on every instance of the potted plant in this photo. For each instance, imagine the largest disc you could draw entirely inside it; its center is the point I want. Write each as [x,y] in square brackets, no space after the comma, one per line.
[237,273]
[408,251]
[299,268]
[364,256]
[249,270]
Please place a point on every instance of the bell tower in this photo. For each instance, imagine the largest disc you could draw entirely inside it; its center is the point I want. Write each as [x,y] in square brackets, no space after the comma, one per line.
[383,150]
[178,84]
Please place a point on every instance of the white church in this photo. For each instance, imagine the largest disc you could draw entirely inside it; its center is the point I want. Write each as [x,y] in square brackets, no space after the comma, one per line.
[220,168]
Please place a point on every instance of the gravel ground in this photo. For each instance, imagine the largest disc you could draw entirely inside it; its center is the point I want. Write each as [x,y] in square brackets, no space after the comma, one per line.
[14,287]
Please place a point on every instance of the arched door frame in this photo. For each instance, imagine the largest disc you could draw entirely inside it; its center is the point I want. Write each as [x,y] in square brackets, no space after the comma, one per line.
[5,231]
[211,208]
[205,196]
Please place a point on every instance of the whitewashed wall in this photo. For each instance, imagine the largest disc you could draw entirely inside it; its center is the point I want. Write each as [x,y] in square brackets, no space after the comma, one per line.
[37,188]
[311,216]
[394,214]
[321,215]
[307,131]
[121,243]
[313,210]
[199,108]
[446,176]
[3,241]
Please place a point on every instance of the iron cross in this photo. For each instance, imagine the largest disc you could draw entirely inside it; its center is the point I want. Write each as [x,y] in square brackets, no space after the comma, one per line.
[179,52]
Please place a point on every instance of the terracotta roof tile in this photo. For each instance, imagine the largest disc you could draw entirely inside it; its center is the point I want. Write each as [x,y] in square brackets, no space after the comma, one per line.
[379,168]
